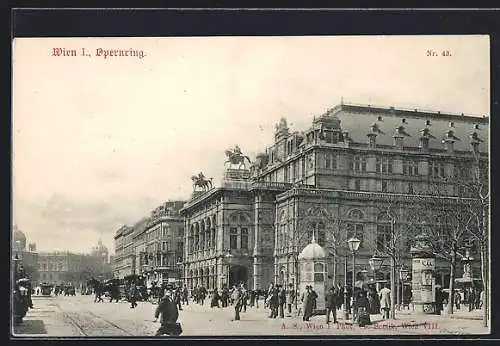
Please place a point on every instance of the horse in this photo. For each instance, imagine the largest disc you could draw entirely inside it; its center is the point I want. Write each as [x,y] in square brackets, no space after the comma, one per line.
[98,289]
[199,180]
[236,158]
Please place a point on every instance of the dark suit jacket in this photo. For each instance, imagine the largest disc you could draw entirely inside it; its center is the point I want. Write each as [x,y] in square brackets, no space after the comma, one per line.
[168,310]
[330,300]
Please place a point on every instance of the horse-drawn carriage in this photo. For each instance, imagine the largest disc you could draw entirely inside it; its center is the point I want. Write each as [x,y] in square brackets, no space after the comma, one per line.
[69,290]
[45,289]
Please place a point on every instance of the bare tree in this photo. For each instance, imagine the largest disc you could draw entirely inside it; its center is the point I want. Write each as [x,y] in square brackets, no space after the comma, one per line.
[391,240]
[445,222]
[474,193]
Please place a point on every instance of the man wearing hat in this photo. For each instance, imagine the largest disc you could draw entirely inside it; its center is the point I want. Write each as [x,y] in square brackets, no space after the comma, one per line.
[169,314]
[331,305]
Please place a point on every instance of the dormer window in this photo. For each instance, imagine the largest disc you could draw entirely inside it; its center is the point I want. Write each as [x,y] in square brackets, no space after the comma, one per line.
[404,121]
[452,124]
[476,126]
[379,118]
[428,123]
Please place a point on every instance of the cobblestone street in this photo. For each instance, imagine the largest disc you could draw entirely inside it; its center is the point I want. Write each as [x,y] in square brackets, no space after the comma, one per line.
[79,317]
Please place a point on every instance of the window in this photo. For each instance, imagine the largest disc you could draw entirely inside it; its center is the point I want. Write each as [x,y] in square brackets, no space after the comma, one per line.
[233,238]
[384,186]
[355,230]
[384,165]
[357,184]
[410,188]
[244,238]
[164,246]
[437,169]
[410,168]
[359,164]
[383,236]
[180,231]
[180,246]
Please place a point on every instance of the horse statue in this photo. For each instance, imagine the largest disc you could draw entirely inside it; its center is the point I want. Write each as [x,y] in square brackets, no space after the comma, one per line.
[202,182]
[98,289]
[236,157]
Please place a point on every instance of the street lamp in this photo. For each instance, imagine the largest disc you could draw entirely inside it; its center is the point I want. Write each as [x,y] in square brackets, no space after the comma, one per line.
[375,263]
[403,275]
[353,246]
[228,255]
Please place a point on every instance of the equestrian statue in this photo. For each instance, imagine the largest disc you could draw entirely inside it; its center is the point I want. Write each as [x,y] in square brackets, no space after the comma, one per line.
[236,157]
[202,182]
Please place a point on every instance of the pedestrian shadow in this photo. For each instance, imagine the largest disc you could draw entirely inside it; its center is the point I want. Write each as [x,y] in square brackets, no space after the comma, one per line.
[28,327]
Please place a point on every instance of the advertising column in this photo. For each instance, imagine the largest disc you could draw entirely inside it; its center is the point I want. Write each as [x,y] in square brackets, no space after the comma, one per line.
[422,284]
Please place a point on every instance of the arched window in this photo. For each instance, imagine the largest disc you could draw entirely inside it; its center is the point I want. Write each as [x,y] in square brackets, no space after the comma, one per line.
[196,236]
[355,226]
[191,240]
[383,231]
[208,235]
[202,235]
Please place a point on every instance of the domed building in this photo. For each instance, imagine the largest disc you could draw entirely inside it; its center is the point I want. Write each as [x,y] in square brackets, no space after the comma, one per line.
[100,251]
[18,239]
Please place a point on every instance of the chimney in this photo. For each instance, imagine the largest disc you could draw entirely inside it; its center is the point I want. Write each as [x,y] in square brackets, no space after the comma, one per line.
[399,137]
[449,141]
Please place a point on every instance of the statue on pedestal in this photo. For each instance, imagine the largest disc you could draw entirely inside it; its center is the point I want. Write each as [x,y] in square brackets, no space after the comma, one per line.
[236,157]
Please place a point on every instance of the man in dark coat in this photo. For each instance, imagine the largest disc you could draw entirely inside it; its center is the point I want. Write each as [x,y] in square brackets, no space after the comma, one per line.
[281,301]
[331,305]
[238,302]
[133,293]
[169,314]
[273,302]
[185,295]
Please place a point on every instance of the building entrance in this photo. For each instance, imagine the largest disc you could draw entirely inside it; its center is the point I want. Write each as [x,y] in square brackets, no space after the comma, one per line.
[238,275]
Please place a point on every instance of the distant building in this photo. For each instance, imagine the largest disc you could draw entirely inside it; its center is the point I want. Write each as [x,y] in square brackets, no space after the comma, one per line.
[153,246]
[59,267]
[28,257]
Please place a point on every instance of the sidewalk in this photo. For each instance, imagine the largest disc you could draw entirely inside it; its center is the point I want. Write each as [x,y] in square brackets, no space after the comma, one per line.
[463,314]
[44,320]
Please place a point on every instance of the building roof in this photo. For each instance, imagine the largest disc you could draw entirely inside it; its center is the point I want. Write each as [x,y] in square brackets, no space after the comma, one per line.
[312,251]
[358,121]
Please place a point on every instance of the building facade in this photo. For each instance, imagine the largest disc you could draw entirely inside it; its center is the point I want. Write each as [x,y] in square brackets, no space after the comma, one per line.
[153,247]
[26,254]
[63,267]
[340,178]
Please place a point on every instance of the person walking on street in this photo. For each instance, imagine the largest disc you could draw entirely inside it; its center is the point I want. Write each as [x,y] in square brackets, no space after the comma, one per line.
[331,305]
[177,298]
[385,301]
[237,299]
[281,301]
[273,302]
[290,298]
[185,294]
[439,300]
[215,299]
[133,292]
[169,315]
[307,303]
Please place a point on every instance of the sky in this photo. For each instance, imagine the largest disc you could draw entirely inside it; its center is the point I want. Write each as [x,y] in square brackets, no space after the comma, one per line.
[100,142]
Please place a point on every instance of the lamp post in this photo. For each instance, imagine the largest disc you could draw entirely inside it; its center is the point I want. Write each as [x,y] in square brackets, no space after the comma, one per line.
[403,275]
[375,263]
[353,246]
[346,314]
[228,255]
